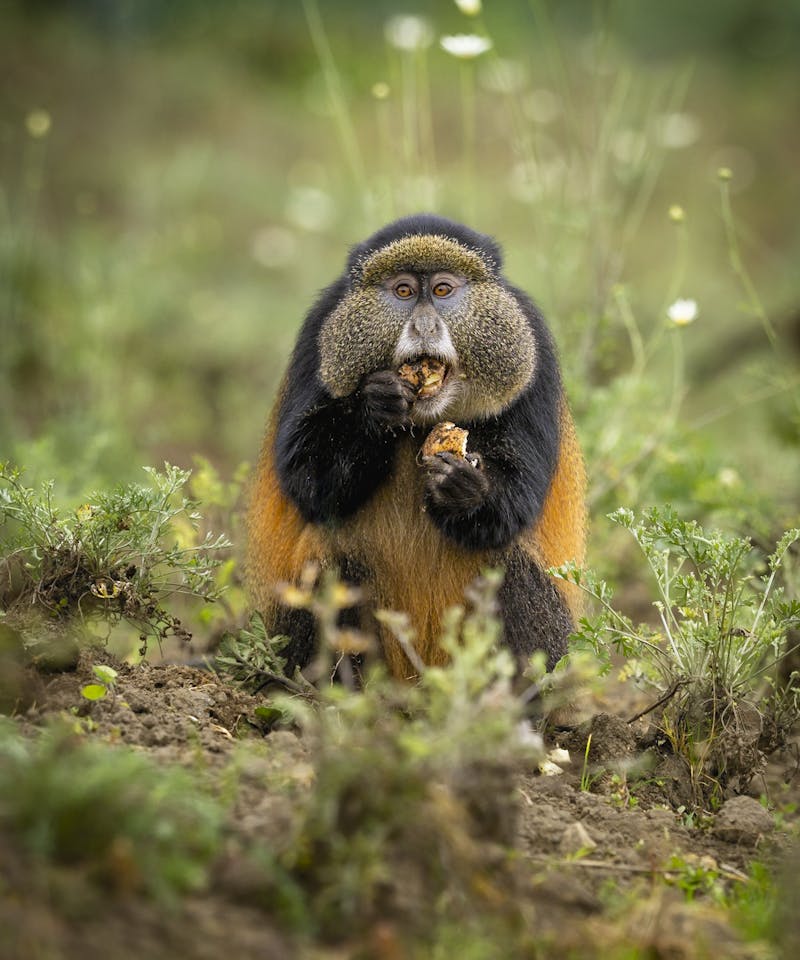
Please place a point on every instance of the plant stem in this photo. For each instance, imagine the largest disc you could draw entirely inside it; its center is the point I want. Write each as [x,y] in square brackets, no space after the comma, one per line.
[344,123]
[737,263]
[468,117]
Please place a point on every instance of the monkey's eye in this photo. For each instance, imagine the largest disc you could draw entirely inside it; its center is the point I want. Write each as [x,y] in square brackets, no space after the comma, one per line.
[443,289]
[404,291]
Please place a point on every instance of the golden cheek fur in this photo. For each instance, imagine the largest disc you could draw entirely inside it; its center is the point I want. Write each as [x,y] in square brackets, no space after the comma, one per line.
[496,350]
[358,337]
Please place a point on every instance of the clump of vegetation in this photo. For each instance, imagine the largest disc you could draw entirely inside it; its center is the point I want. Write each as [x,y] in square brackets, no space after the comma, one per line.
[413,809]
[131,824]
[724,618]
[120,556]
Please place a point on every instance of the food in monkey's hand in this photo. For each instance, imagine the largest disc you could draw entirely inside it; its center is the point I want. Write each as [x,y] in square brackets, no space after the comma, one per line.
[446,437]
[425,375]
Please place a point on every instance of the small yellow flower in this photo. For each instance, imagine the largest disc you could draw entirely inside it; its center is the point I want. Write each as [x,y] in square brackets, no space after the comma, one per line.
[725,173]
[380,90]
[106,589]
[682,312]
[293,596]
[465,46]
[38,123]
[470,8]
[676,213]
[342,596]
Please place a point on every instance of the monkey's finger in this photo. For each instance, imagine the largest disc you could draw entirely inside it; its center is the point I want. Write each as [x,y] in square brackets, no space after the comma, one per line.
[457,485]
[389,382]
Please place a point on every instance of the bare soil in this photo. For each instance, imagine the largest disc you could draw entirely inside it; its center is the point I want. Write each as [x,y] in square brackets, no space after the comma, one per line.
[595,842]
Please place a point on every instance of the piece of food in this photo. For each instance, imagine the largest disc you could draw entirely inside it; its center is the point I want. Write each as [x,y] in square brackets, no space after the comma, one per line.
[425,375]
[446,437]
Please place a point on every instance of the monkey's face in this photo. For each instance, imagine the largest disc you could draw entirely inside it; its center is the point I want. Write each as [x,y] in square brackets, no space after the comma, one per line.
[442,302]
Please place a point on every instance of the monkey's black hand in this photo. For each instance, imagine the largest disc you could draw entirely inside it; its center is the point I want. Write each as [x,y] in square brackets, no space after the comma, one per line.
[455,484]
[387,400]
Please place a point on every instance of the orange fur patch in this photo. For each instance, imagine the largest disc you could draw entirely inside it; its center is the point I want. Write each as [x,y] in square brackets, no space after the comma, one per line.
[560,534]
[279,541]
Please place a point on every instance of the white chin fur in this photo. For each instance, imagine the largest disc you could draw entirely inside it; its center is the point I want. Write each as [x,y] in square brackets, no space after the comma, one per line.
[432,409]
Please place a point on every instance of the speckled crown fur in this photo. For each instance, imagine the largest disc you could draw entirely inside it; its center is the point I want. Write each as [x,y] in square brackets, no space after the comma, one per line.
[428,233]
[420,254]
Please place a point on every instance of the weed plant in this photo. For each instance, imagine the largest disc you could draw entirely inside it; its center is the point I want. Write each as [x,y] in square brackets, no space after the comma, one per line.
[413,811]
[121,556]
[724,618]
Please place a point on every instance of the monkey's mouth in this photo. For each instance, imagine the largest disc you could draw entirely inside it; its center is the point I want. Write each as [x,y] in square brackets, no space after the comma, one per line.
[427,375]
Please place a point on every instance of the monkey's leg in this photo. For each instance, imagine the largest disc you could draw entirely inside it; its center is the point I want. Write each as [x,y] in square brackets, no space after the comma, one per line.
[535,615]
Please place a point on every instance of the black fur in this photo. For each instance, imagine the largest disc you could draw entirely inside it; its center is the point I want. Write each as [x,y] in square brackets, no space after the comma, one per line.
[387,400]
[455,486]
[328,458]
[534,614]
[519,451]
[301,626]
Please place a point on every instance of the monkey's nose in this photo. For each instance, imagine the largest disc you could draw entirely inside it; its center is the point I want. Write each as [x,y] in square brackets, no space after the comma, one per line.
[425,321]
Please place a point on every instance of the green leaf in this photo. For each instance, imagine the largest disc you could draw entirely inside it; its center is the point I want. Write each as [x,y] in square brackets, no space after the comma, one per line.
[105,674]
[94,691]
[270,717]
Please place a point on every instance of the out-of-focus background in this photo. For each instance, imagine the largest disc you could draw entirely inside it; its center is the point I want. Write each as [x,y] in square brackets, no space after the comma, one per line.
[179,179]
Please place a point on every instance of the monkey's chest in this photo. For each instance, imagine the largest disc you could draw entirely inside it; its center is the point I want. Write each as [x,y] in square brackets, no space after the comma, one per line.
[410,566]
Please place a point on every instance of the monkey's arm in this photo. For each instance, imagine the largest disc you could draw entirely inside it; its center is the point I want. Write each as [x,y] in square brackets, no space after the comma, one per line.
[333,453]
[488,506]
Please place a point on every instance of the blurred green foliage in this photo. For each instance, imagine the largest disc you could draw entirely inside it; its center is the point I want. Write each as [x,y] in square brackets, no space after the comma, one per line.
[131,824]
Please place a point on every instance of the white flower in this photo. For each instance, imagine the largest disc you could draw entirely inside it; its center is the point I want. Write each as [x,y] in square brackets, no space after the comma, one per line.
[407,32]
[677,130]
[728,477]
[682,312]
[469,7]
[466,46]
